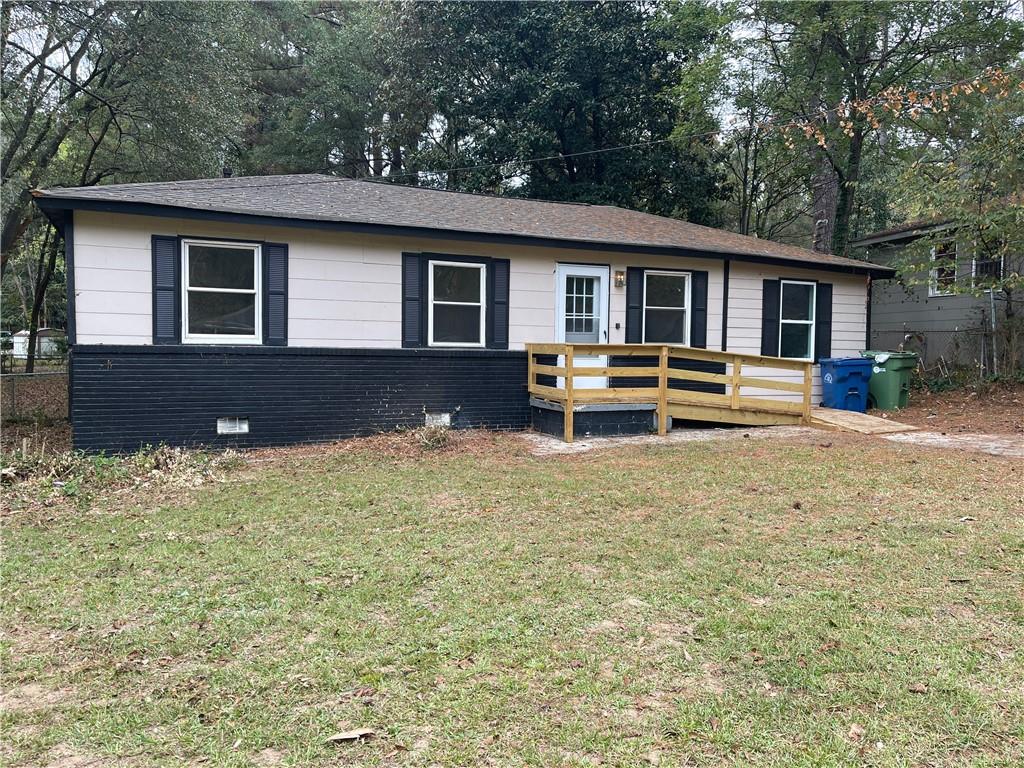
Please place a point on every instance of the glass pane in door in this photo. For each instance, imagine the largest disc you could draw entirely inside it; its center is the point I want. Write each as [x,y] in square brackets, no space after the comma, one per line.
[582,324]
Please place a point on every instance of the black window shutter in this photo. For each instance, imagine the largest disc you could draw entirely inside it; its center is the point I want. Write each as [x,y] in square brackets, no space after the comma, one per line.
[770,318]
[414,290]
[823,321]
[497,303]
[166,290]
[275,294]
[634,305]
[699,315]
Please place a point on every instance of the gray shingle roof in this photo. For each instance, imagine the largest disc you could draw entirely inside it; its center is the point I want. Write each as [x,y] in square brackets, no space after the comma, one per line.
[313,197]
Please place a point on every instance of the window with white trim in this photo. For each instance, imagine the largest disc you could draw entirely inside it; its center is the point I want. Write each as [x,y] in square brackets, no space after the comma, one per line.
[666,307]
[457,314]
[221,292]
[943,272]
[796,319]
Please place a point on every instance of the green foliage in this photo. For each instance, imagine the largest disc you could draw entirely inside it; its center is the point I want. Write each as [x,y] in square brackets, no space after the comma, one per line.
[459,95]
[822,55]
[407,91]
[22,278]
[117,91]
[970,175]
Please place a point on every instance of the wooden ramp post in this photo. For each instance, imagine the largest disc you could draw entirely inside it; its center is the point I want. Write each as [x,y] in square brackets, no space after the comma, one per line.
[663,392]
[567,413]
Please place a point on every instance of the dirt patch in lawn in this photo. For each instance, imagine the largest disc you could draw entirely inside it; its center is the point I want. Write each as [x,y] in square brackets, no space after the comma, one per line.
[30,697]
[987,409]
[400,444]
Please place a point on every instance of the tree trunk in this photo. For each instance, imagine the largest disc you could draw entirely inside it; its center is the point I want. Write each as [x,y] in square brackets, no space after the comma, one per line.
[377,153]
[848,195]
[14,227]
[824,200]
[47,264]
[396,158]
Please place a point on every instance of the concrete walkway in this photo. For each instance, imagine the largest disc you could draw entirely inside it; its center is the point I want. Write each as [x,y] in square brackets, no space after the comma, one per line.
[548,445]
[997,445]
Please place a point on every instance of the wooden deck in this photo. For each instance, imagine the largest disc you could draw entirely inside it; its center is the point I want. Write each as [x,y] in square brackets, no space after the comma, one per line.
[851,421]
[773,403]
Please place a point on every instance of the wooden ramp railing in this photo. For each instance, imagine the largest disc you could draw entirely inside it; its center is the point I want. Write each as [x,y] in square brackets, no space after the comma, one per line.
[731,406]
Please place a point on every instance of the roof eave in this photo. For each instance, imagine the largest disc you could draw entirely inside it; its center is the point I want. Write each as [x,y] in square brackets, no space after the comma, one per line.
[892,237]
[51,204]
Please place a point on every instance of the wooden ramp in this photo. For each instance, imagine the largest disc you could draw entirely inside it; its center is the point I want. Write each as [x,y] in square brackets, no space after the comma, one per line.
[851,421]
[651,374]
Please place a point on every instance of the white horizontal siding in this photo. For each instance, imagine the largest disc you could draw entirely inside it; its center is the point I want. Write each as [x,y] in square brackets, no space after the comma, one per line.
[344,289]
[849,319]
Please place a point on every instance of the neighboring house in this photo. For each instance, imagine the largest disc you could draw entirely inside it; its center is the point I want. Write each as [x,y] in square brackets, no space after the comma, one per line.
[932,316]
[303,308]
[49,343]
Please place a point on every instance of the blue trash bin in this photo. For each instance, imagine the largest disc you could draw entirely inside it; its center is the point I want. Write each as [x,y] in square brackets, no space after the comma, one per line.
[844,383]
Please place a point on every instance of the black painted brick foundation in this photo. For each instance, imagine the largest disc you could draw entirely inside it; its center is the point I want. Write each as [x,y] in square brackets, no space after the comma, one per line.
[594,421]
[123,397]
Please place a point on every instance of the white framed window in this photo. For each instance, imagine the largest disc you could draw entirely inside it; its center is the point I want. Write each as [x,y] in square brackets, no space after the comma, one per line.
[942,278]
[220,293]
[456,316]
[796,319]
[666,307]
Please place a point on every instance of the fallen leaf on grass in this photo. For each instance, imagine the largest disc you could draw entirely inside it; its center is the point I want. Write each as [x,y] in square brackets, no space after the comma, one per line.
[856,732]
[348,737]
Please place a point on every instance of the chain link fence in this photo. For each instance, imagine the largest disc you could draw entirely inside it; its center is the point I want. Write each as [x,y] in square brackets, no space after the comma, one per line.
[975,350]
[34,396]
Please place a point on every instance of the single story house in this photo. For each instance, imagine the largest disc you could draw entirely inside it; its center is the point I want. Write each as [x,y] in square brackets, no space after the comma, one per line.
[273,310]
[49,344]
[945,315]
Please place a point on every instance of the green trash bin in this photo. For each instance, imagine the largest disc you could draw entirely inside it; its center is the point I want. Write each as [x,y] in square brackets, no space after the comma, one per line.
[889,387]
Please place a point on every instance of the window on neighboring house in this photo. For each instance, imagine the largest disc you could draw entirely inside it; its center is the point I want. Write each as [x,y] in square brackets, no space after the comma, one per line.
[943,276]
[457,293]
[988,268]
[221,292]
[666,296]
[796,320]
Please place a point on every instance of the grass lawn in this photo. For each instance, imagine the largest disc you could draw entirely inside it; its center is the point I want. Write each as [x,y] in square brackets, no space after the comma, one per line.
[824,601]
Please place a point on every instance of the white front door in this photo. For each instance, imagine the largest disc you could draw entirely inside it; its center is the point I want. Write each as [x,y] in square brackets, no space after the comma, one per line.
[581,316]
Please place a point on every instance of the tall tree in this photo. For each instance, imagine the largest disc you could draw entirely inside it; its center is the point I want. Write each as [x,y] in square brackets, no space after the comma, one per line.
[114,91]
[317,80]
[830,55]
[565,81]
[768,196]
